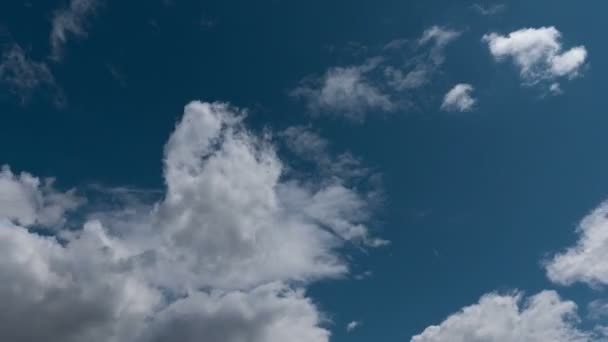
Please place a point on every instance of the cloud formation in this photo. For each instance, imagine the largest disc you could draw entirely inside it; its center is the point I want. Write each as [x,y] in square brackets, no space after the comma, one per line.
[226,253]
[378,84]
[459,99]
[586,261]
[507,318]
[70,22]
[538,53]
[489,9]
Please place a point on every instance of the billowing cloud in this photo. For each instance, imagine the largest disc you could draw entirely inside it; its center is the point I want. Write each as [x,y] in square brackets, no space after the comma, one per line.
[459,99]
[70,22]
[225,254]
[507,318]
[586,261]
[25,77]
[538,53]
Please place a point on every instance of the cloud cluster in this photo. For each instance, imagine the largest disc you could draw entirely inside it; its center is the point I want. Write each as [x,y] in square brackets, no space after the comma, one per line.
[225,254]
[507,318]
[538,53]
[375,85]
[459,99]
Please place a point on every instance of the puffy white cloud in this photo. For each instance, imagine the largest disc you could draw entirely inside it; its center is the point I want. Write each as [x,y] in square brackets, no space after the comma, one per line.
[344,91]
[224,255]
[459,99]
[538,53]
[69,22]
[25,77]
[507,318]
[586,261]
[28,201]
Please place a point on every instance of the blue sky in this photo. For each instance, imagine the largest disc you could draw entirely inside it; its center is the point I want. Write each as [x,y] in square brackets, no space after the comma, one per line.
[236,171]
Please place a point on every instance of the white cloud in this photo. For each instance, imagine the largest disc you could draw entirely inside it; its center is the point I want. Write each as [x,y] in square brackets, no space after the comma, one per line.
[350,327]
[225,254]
[344,91]
[459,99]
[507,318]
[538,53]
[586,261]
[25,77]
[28,201]
[70,21]
[377,84]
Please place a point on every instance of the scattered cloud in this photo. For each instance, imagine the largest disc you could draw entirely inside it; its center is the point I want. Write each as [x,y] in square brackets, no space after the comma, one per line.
[489,9]
[377,85]
[586,261]
[225,253]
[344,91]
[25,77]
[350,327]
[70,22]
[538,53]
[459,99]
[506,318]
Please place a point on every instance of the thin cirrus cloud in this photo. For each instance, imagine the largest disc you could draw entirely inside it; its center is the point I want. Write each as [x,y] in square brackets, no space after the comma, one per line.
[70,22]
[225,254]
[459,99]
[375,85]
[26,78]
[538,53]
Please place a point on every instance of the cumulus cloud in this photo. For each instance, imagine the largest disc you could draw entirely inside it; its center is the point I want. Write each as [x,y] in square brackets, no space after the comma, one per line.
[538,53]
[25,77]
[345,91]
[459,99]
[506,318]
[70,22]
[586,261]
[225,254]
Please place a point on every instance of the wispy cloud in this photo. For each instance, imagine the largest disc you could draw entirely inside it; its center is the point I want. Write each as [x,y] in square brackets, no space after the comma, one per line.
[489,9]
[25,77]
[70,22]
[459,99]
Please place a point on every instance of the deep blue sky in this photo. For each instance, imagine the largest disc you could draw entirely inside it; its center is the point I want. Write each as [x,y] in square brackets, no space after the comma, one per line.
[473,201]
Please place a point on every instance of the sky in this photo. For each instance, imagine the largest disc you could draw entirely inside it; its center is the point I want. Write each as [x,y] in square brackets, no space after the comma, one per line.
[271,171]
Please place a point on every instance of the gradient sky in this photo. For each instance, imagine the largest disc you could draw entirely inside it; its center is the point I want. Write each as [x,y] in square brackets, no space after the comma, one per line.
[437,200]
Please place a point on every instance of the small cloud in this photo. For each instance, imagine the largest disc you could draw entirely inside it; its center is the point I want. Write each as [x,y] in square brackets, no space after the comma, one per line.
[490,9]
[538,53]
[345,91]
[70,22]
[350,327]
[459,99]
[555,89]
